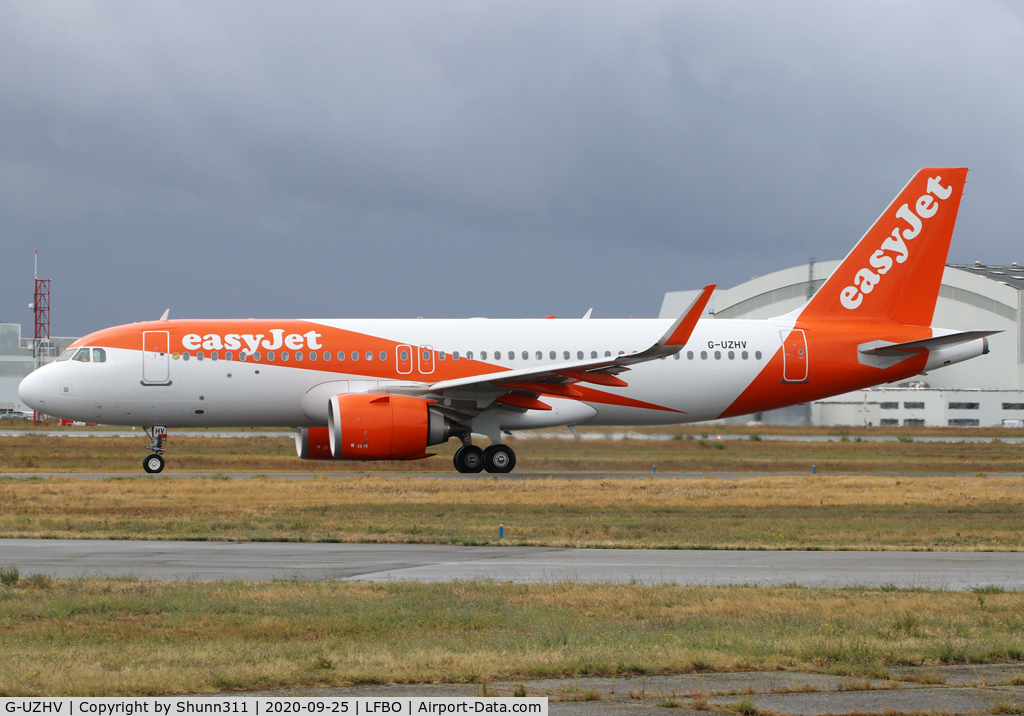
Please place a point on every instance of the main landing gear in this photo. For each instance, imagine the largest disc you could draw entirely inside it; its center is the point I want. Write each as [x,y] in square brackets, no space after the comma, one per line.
[155,463]
[495,459]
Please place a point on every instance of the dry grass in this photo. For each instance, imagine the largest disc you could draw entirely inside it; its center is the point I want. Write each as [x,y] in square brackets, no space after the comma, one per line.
[103,637]
[752,513]
[689,453]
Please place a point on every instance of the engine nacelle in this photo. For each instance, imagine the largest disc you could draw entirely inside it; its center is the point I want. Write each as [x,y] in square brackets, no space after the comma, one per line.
[373,426]
[313,444]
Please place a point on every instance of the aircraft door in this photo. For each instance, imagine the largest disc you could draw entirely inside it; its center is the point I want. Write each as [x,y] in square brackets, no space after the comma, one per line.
[156,358]
[794,356]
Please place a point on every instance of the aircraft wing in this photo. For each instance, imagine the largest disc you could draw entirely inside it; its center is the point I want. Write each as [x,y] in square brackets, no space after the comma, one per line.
[558,379]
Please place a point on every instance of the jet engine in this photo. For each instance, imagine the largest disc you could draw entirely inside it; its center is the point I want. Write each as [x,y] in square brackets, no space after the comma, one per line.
[313,444]
[373,426]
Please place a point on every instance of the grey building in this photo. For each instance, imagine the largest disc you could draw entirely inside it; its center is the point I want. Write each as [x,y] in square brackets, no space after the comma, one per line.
[16,362]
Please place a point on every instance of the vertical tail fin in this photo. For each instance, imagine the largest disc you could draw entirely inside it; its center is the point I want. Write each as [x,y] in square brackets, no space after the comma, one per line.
[895,270]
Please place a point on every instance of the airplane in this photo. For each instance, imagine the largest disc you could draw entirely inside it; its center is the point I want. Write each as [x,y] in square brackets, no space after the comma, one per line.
[390,389]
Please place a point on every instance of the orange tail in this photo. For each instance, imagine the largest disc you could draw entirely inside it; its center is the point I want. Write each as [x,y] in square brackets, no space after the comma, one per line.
[894,272]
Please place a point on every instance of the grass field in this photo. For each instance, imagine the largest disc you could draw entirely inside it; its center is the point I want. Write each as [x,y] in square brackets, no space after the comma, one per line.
[689,453]
[801,512]
[102,637]
[113,637]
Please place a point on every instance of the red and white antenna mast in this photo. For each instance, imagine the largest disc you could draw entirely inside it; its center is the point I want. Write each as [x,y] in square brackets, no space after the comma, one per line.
[41,311]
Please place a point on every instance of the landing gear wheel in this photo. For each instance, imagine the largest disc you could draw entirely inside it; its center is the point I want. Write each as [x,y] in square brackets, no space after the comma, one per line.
[469,458]
[499,458]
[153,463]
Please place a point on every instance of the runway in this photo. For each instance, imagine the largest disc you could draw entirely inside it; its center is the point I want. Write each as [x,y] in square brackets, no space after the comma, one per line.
[258,561]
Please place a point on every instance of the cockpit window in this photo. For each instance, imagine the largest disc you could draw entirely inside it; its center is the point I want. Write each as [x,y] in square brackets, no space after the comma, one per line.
[99,355]
[82,355]
[66,355]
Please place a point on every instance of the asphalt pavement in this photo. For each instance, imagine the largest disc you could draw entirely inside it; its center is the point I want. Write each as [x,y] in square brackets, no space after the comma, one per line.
[257,561]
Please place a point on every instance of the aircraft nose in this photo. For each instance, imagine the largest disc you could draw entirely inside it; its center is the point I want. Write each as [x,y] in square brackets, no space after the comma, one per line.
[31,391]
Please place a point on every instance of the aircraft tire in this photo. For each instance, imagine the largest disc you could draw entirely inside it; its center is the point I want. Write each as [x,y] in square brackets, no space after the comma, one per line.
[469,459]
[499,459]
[153,463]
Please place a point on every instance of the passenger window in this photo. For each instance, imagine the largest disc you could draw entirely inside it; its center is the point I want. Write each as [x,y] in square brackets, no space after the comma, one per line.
[270,355]
[622,353]
[483,355]
[369,355]
[732,355]
[312,355]
[744,355]
[676,356]
[200,356]
[82,356]
[607,354]
[383,355]
[579,355]
[341,355]
[228,355]
[757,354]
[214,356]
[469,355]
[565,355]
[689,355]
[526,355]
[718,355]
[242,356]
[298,355]
[511,355]
[256,356]
[184,356]
[703,355]
[327,355]
[440,355]
[497,355]
[99,355]
[404,355]
[540,355]
[593,354]
[284,355]
[455,355]
[355,355]
[552,355]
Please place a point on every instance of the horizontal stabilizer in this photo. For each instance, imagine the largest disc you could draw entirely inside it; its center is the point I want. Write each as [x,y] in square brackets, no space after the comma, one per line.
[883,354]
[927,344]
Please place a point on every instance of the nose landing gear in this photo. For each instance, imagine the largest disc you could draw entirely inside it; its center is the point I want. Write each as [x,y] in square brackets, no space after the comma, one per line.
[155,463]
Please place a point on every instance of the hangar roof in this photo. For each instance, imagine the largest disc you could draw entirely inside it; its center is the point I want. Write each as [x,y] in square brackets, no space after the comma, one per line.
[1012,275]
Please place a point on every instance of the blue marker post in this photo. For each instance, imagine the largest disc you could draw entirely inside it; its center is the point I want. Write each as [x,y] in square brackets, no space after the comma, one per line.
[814,469]
[654,469]
[501,531]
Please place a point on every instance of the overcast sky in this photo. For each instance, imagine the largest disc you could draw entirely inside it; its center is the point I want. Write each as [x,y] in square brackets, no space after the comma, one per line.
[504,159]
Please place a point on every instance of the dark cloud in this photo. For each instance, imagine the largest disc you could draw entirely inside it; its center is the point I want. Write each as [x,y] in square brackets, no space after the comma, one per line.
[503,159]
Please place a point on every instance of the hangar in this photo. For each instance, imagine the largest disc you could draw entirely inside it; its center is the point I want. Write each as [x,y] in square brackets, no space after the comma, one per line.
[984,391]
